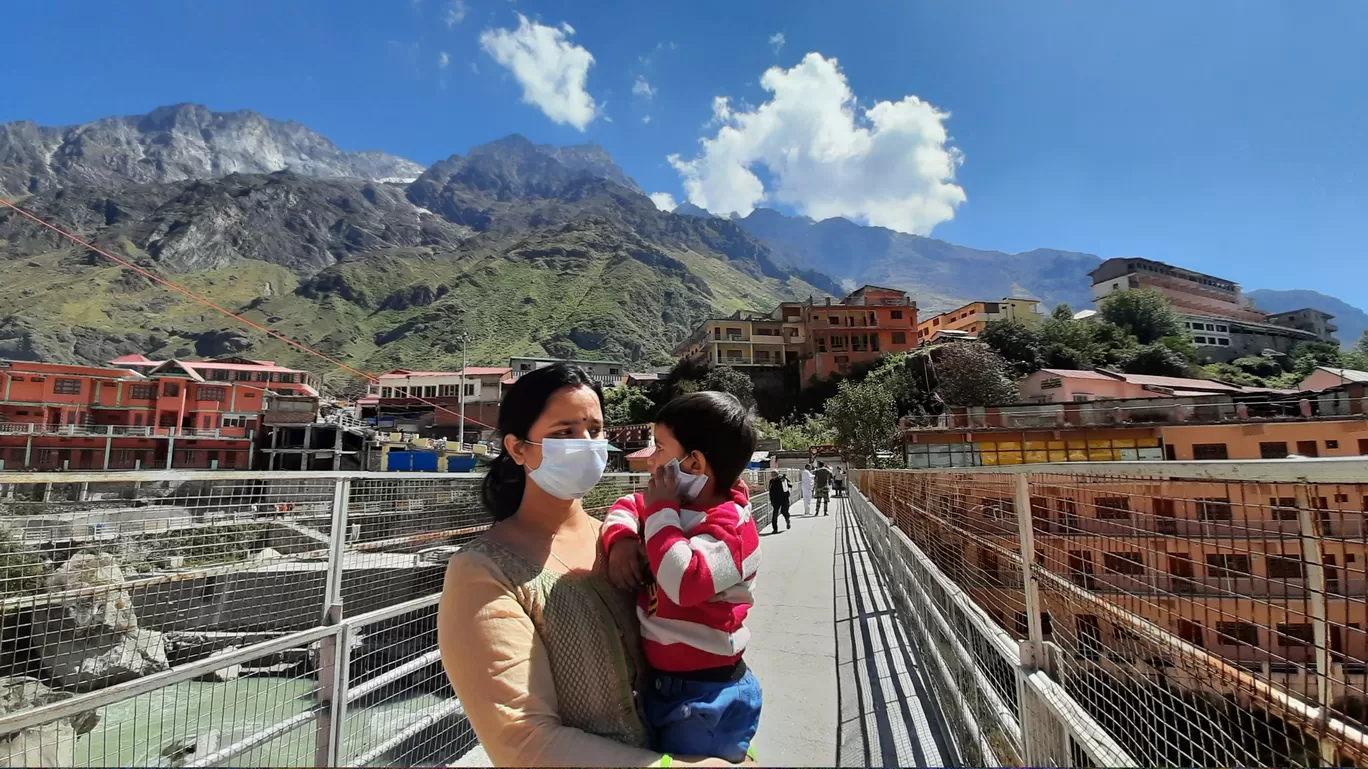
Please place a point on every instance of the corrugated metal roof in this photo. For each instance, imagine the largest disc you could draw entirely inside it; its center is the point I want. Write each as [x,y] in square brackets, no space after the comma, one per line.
[1079,374]
[1347,374]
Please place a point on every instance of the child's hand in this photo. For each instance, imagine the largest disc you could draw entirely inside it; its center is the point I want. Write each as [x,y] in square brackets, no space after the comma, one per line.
[626,564]
[663,487]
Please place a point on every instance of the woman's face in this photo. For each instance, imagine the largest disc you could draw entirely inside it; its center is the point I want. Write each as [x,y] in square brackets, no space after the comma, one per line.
[573,412]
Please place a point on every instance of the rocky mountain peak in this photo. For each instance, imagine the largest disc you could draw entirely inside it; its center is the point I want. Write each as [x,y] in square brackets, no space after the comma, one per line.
[173,143]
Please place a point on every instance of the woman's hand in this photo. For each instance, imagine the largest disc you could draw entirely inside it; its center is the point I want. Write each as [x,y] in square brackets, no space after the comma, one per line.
[627,564]
[663,487]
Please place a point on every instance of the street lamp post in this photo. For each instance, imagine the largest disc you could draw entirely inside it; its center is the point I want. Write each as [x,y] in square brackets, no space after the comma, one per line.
[464,339]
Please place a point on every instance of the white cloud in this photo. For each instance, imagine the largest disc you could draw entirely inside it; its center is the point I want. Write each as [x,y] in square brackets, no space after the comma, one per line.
[443,60]
[456,12]
[889,165]
[642,88]
[664,201]
[777,41]
[552,70]
[646,118]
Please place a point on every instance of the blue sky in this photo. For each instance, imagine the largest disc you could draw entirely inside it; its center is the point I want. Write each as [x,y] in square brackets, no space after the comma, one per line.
[1228,137]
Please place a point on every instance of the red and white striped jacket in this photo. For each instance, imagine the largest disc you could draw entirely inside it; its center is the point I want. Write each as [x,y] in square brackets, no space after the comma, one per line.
[704,563]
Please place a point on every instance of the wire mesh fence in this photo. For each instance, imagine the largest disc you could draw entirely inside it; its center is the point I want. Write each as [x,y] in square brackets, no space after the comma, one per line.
[1198,614]
[235,618]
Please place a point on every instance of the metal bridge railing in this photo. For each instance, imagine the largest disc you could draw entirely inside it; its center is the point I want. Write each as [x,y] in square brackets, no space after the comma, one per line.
[233,618]
[1136,614]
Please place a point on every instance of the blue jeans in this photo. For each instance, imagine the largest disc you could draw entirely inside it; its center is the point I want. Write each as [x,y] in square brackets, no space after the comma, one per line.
[703,718]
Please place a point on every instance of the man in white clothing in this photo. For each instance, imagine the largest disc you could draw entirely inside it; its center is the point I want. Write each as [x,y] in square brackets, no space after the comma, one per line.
[806,484]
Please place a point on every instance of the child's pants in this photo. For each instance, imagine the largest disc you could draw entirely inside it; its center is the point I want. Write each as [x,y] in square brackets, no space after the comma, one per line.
[691,717]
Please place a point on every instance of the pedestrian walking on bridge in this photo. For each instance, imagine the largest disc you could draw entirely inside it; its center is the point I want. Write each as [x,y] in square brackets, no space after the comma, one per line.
[805,483]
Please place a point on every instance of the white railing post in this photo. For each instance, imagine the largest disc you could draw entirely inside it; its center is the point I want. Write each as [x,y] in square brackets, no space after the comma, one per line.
[334,649]
[1035,750]
[1308,523]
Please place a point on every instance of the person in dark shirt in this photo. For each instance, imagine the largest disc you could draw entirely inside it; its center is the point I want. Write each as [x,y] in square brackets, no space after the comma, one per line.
[779,500]
[822,481]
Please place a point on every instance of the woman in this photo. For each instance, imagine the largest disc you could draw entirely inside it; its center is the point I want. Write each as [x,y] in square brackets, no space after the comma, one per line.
[779,500]
[543,653]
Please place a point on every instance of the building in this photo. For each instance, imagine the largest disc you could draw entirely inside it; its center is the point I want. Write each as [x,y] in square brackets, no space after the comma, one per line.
[867,324]
[973,317]
[1223,326]
[1307,319]
[157,415]
[1190,293]
[748,339]
[1050,385]
[429,402]
[1326,378]
[296,436]
[606,373]
[1187,426]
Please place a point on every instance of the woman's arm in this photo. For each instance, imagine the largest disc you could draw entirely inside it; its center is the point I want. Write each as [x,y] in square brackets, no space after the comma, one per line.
[499,668]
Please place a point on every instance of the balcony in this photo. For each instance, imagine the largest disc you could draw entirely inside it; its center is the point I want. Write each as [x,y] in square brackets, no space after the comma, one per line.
[122,431]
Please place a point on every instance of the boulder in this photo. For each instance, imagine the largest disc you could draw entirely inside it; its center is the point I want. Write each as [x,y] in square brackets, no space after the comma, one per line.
[110,609]
[229,673]
[106,659]
[51,744]
[190,750]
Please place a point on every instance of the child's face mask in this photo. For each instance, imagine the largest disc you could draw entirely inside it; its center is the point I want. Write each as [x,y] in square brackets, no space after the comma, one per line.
[689,485]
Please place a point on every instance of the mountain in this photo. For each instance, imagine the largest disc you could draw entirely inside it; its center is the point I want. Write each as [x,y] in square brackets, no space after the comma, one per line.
[176,143]
[1352,321]
[939,275]
[527,253]
[593,159]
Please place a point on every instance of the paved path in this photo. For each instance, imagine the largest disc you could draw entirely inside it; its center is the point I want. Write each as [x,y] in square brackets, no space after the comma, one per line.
[840,684]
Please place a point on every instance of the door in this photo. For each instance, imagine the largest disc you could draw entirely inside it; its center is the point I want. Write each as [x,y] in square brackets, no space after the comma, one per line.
[1308,448]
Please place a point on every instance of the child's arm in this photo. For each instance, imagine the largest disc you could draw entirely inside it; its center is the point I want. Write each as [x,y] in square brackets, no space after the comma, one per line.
[623,521]
[690,570]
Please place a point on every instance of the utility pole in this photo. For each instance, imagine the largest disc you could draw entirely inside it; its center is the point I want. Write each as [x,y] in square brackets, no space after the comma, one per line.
[464,339]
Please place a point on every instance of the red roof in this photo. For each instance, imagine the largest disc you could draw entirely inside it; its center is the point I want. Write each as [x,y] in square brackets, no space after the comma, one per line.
[208,364]
[642,453]
[400,373]
[1075,374]
[135,358]
[1192,386]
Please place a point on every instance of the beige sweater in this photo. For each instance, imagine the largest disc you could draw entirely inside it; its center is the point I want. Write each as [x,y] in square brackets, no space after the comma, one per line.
[544,664]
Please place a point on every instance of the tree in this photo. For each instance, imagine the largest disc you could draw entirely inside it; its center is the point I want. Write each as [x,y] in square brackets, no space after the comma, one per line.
[1016,342]
[864,418]
[1143,313]
[1308,355]
[1362,345]
[1065,342]
[798,434]
[728,379]
[623,405]
[1156,360]
[970,374]
[1062,312]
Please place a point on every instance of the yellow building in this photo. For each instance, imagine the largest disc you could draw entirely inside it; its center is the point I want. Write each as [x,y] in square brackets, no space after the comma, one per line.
[748,339]
[973,317]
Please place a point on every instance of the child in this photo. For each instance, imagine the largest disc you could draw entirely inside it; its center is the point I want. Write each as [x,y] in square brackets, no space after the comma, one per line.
[702,548]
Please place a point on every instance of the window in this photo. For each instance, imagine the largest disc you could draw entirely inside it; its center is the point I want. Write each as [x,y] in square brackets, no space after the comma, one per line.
[470,390]
[171,388]
[263,376]
[1199,339]
[1214,509]
[1227,566]
[386,392]
[239,376]
[1112,507]
[138,420]
[207,422]
[123,457]
[67,387]
[1273,450]
[1222,328]
[821,344]
[1284,508]
[611,372]
[430,391]
[218,394]
[1238,633]
[287,378]
[896,314]
[1082,397]
[1286,567]
[524,366]
[1124,563]
[1363,446]
[142,392]
[833,320]
[899,337]
[1307,449]
[1332,444]
[447,390]
[1209,451]
[1295,634]
[1223,342]
[17,378]
[935,321]
[235,420]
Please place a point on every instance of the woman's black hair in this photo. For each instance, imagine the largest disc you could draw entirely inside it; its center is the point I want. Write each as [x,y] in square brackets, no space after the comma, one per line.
[524,402]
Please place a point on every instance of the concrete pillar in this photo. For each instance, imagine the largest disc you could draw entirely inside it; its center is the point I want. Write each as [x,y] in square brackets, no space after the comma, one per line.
[28,451]
[47,492]
[170,450]
[337,447]
[109,444]
[83,492]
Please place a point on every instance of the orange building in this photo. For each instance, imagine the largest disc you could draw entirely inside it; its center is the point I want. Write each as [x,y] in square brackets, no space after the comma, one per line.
[869,323]
[173,414]
[973,317]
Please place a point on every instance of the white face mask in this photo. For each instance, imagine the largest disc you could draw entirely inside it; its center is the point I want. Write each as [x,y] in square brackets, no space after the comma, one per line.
[570,467]
[688,484]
